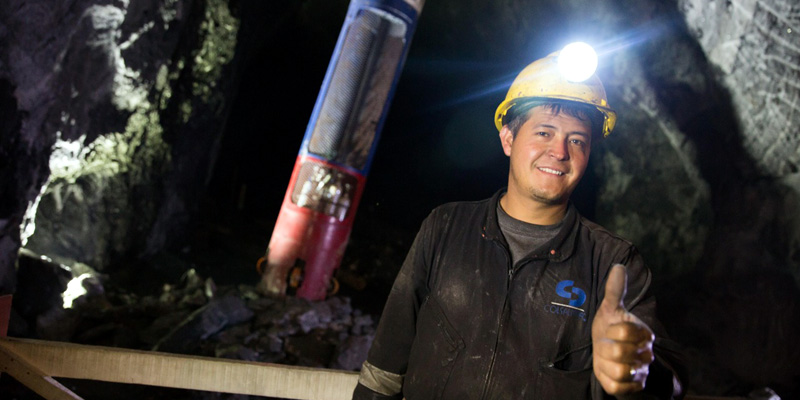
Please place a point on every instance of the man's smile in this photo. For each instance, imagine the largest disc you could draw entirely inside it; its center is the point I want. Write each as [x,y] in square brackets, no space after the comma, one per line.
[550,171]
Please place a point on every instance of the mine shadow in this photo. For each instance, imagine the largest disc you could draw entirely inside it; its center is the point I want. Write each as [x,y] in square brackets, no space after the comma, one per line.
[738,311]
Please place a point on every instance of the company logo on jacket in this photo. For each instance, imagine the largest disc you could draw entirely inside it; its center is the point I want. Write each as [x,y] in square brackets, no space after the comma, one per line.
[575,297]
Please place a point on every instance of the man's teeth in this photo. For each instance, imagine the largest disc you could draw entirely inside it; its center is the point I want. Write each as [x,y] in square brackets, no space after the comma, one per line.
[551,171]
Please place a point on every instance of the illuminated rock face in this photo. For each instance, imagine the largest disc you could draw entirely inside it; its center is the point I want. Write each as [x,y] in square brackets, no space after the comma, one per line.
[754,47]
[120,102]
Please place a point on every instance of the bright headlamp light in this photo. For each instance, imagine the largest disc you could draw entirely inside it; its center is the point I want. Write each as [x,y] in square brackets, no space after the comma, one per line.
[577,62]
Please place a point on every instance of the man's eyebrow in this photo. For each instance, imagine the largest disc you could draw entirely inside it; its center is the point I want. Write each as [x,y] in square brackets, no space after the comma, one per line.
[584,134]
[543,125]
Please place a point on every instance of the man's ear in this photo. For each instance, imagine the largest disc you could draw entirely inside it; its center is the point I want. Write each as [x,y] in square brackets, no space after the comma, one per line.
[506,139]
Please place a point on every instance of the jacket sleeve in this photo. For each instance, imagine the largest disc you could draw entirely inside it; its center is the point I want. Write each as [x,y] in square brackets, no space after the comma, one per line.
[364,393]
[387,360]
[667,376]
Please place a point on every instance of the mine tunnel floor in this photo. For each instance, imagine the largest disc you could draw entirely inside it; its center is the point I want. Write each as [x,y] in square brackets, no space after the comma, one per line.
[164,304]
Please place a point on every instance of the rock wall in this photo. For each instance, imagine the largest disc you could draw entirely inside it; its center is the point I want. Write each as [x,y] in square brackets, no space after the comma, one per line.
[117,104]
[754,48]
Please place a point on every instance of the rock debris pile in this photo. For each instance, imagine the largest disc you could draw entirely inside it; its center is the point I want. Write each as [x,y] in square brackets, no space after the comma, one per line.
[197,317]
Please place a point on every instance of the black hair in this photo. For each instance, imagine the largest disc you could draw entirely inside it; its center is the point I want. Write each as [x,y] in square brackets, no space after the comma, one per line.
[520,112]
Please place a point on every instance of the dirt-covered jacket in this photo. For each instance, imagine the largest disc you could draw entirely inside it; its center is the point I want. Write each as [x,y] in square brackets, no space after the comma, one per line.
[462,323]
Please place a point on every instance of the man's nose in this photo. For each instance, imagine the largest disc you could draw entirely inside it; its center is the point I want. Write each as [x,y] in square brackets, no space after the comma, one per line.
[559,150]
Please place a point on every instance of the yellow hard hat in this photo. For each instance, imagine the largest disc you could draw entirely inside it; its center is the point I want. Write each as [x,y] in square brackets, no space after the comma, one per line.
[542,80]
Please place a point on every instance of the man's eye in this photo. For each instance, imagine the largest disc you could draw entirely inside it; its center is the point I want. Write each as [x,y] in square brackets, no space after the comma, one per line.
[578,142]
[542,133]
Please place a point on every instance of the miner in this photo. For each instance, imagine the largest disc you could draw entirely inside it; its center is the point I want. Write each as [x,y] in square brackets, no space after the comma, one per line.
[519,296]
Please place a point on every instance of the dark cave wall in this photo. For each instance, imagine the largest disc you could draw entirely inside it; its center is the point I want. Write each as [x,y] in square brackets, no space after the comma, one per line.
[754,49]
[741,305]
[121,107]
[12,202]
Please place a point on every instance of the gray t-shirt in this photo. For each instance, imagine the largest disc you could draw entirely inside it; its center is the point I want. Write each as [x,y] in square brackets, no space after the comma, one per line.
[523,237]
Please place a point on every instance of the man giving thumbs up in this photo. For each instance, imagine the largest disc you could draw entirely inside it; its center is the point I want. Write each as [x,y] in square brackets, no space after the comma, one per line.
[623,344]
[515,297]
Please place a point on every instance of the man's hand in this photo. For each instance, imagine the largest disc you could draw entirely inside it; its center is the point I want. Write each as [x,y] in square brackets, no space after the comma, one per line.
[622,345]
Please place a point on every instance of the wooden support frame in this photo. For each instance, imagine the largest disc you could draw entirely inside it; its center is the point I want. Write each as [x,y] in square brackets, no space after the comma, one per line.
[35,363]
[33,378]
[45,360]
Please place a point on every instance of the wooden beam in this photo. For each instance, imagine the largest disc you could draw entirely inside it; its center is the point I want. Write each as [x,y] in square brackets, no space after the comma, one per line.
[67,360]
[32,377]
[35,362]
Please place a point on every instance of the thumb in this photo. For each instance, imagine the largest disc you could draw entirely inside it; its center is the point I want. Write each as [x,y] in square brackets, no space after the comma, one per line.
[616,286]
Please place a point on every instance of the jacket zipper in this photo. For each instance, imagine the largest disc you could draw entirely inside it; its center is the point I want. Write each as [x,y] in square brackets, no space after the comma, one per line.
[500,328]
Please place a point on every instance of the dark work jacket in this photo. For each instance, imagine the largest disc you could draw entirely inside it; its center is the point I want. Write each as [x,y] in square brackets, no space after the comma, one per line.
[462,323]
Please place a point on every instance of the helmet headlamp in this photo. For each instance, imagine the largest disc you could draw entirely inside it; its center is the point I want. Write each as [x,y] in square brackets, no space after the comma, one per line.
[577,62]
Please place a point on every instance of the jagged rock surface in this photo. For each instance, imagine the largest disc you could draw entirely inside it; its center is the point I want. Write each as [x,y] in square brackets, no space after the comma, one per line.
[119,108]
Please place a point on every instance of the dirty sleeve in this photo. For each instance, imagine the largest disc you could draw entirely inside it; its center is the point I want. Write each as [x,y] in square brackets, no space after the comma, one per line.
[388,356]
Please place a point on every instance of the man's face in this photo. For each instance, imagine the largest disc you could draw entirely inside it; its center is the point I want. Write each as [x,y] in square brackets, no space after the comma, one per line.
[548,155]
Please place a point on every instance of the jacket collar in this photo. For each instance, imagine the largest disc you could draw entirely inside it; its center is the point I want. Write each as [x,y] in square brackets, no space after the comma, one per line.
[557,249]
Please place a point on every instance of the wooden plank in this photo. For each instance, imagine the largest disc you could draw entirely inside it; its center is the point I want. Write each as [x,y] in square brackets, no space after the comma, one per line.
[35,362]
[32,377]
[67,360]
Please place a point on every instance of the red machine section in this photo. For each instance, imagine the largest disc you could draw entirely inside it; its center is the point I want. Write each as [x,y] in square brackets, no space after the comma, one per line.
[312,229]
